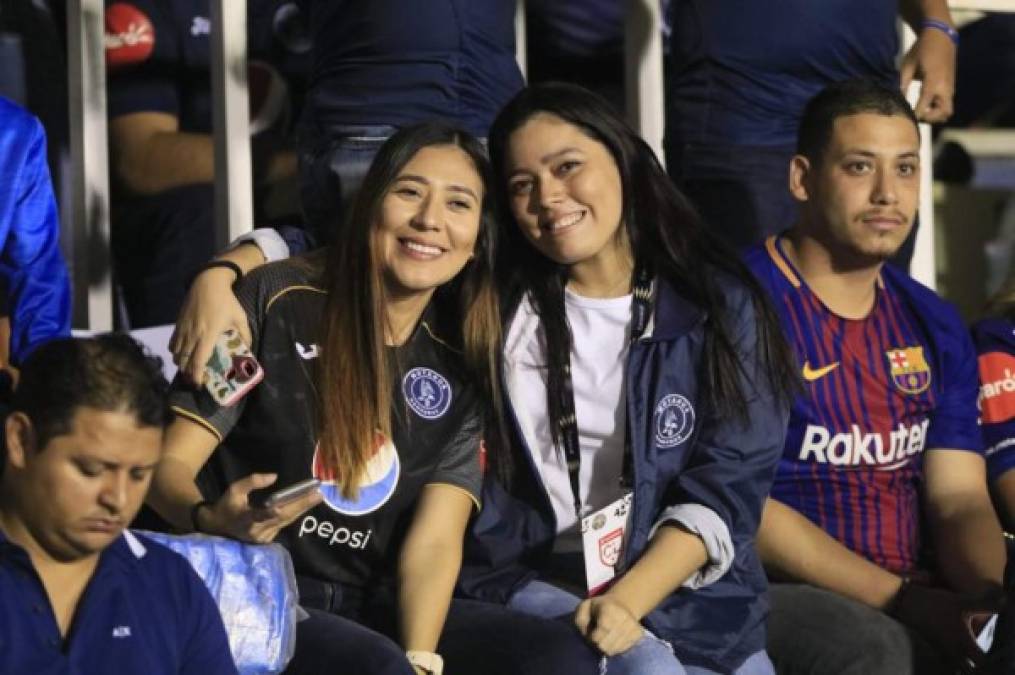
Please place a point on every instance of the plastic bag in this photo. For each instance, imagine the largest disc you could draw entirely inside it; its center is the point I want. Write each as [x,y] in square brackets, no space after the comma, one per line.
[255,590]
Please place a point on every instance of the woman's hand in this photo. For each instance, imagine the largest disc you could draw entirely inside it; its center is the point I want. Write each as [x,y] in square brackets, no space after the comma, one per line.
[232,515]
[209,310]
[608,625]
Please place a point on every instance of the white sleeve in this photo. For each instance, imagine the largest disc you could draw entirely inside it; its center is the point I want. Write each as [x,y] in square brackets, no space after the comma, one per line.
[267,239]
[705,523]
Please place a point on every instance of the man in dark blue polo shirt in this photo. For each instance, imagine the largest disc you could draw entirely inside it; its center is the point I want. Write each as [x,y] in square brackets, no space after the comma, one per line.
[78,593]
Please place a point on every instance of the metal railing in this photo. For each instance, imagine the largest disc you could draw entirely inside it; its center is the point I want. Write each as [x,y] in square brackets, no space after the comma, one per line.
[93,294]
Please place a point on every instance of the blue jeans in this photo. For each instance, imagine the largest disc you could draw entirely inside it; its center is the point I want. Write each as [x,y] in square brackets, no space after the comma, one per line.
[649,656]
[333,163]
[742,192]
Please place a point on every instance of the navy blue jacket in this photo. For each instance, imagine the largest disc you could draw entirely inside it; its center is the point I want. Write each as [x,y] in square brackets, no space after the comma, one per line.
[721,464]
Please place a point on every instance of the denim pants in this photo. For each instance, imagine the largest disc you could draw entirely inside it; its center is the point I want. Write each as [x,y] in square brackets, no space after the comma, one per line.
[159,243]
[354,633]
[649,656]
[333,162]
[742,192]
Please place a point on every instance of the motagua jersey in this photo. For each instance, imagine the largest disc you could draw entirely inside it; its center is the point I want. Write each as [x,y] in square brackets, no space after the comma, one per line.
[878,393]
[435,422]
[995,347]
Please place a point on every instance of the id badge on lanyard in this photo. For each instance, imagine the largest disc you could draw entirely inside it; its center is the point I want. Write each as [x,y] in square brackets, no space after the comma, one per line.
[604,534]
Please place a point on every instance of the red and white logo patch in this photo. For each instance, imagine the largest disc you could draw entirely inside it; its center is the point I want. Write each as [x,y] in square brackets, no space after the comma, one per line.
[130,36]
[609,547]
[997,387]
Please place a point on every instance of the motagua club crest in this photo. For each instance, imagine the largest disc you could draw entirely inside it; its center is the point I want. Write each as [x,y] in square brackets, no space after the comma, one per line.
[673,420]
[427,392]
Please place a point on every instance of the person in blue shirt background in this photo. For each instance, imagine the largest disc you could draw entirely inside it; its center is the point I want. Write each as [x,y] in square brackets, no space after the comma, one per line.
[994,337]
[79,593]
[32,270]
[740,74]
[158,60]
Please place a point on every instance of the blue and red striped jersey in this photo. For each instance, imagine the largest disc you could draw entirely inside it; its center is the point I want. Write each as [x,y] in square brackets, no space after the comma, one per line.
[995,347]
[878,392]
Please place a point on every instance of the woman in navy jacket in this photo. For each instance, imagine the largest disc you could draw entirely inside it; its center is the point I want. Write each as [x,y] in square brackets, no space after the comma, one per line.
[640,357]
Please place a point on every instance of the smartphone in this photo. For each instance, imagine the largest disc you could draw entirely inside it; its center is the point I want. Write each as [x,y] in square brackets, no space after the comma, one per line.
[232,370]
[265,498]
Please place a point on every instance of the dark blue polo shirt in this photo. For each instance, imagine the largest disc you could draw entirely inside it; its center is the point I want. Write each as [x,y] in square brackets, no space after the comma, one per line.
[144,611]
[741,71]
[396,62]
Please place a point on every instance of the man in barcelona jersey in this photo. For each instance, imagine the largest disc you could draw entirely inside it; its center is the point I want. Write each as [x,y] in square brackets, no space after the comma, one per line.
[879,531]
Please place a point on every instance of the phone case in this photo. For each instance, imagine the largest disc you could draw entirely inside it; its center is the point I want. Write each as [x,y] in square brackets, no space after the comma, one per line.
[232,370]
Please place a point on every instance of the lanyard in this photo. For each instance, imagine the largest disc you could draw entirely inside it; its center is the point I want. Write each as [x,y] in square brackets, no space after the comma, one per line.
[568,421]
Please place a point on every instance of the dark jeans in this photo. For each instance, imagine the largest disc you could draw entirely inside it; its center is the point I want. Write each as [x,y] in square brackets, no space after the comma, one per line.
[354,633]
[159,244]
[333,162]
[742,192]
[816,632]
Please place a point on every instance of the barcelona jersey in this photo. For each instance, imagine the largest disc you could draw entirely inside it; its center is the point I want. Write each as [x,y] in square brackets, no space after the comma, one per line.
[878,392]
[995,346]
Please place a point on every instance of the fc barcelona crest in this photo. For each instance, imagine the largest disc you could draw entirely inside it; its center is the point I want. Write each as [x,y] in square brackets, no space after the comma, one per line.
[909,369]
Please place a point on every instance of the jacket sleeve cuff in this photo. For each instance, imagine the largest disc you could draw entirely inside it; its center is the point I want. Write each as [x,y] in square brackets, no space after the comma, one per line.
[705,523]
[270,242]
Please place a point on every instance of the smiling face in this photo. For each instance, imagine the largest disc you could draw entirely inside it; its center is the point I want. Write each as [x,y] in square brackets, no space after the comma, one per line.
[565,191]
[861,197]
[78,492]
[429,221]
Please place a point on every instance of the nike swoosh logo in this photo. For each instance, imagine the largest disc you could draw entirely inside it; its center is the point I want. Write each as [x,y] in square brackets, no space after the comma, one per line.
[810,374]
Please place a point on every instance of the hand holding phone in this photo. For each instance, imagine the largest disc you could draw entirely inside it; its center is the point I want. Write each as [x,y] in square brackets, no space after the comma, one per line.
[232,370]
[234,515]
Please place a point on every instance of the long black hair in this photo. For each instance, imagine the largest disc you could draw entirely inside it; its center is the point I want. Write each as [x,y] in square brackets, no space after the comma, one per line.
[666,236]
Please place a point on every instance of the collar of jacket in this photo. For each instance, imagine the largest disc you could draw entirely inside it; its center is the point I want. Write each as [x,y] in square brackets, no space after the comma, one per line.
[673,315]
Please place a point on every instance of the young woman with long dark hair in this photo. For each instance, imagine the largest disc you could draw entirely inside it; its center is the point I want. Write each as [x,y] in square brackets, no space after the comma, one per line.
[648,386]
[375,354]
[648,383]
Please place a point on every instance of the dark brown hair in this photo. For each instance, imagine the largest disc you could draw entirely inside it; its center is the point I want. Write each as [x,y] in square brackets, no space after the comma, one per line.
[667,237]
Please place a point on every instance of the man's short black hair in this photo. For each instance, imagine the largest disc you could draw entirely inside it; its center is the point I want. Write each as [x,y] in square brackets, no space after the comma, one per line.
[109,372]
[842,99]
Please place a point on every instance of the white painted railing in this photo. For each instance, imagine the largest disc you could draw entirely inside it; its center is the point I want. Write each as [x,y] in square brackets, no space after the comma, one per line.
[93,295]
[93,286]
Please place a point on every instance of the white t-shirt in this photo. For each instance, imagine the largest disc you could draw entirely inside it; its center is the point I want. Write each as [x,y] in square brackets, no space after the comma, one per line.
[601,328]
